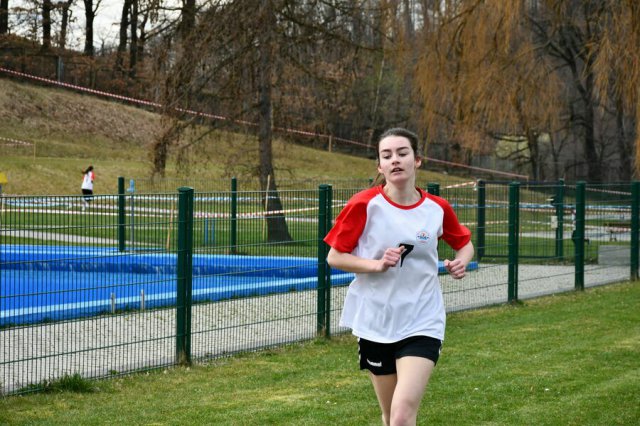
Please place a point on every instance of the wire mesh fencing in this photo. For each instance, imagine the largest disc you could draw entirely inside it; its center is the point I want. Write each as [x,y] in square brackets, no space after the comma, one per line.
[118,283]
[152,185]
[72,300]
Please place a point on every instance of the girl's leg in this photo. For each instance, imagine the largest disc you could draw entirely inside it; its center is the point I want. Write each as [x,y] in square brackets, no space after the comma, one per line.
[384,386]
[412,378]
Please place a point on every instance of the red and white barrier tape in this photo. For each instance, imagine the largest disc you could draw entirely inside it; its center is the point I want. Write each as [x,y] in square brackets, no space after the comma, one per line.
[460,185]
[80,88]
[16,142]
[197,215]
[183,110]
[243,122]
[496,172]
[606,191]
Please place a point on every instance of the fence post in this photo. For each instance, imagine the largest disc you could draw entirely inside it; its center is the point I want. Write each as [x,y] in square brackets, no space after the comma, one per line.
[121,215]
[322,260]
[514,228]
[559,204]
[234,216]
[184,275]
[635,228]
[578,239]
[59,68]
[481,217]
[433,188]
[328,217]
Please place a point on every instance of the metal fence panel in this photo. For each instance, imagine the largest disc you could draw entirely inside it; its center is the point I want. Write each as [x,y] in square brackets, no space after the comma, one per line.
[93,291]
[71,301]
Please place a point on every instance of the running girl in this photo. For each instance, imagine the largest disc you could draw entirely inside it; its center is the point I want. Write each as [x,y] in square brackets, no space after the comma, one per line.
[388,236]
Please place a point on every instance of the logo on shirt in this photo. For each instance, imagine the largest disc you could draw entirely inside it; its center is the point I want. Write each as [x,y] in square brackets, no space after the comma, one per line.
[374,364]
[422,237]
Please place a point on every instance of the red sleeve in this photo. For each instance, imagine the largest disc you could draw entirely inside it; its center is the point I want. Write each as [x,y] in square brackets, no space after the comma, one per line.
[453,232]
[348,225]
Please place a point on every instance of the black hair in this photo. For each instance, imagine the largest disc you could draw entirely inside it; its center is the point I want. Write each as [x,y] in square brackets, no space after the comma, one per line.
[84,172]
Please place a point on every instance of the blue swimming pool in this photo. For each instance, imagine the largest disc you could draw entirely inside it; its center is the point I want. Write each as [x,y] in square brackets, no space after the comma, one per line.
[53,283]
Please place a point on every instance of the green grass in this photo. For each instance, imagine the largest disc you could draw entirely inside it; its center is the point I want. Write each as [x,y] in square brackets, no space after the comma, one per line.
[71,131]
[569,359]
[67,383]
[152,230]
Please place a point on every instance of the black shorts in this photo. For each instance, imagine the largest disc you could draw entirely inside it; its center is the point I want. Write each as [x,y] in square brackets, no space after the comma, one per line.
[380,358]
[88,194]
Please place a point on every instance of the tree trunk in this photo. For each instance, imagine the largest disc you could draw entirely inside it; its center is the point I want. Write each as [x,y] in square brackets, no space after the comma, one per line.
[46,24]
[591,153]
[277,229]
[89,15]
[408,21]
[4,16]
[623,148]
[188,19]
[534,155]
[122,44]
[143,37]
[171,133]
[64,22]
[133,47]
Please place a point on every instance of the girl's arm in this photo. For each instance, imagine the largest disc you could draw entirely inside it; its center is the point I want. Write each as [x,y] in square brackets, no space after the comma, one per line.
[351,263]
[458,266]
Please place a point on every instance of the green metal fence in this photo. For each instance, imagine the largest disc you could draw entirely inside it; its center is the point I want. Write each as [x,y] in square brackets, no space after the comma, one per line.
[153,185]
[146,280]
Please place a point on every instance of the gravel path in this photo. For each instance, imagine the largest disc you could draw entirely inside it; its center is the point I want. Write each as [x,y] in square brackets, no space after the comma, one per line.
[106,345]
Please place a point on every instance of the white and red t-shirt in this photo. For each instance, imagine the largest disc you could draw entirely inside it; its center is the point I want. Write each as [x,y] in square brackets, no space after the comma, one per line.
[406,300]
[87,180]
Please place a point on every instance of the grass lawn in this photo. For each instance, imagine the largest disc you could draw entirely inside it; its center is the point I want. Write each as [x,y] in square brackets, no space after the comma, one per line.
[569,359]
[70,131]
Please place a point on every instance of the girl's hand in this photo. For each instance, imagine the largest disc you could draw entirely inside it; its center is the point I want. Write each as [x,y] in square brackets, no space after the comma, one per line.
[455,267]
[390,258]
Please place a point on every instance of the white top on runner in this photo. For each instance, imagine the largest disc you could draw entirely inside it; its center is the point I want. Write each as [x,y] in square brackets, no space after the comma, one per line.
[87,181]
[406,300]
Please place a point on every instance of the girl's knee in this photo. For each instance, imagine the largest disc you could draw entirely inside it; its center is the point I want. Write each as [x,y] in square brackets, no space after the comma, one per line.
[403,413]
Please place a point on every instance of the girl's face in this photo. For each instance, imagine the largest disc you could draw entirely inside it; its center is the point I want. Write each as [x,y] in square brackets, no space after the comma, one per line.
[397,161]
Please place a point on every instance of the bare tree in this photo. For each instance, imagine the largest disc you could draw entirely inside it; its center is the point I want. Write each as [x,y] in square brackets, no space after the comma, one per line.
[188,17]
[527,69]
[123,35]
[47,7]
[570,33]
[4,16]
[64,7]
[261,60]
[133,47]
[90,14]
[617,77]
[276,225]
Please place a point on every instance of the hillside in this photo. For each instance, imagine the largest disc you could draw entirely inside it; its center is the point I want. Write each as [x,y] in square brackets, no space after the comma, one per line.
[71,131]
